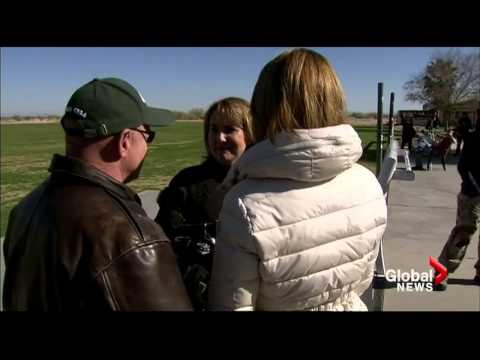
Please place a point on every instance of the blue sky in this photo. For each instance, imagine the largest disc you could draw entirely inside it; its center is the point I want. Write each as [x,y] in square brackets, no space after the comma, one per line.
[38,81]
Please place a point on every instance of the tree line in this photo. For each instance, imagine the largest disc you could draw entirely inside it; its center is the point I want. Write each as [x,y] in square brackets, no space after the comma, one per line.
[193,114]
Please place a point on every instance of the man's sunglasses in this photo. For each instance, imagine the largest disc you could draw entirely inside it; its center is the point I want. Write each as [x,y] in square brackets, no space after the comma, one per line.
[150,135]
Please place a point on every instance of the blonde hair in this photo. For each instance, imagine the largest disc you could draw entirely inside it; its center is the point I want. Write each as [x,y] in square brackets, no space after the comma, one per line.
[233,108]
[299,89]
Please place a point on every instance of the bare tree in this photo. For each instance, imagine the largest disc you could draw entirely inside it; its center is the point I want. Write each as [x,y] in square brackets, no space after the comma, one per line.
[449,78]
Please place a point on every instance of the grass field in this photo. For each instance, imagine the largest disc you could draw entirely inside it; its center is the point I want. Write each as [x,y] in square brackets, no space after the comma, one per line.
[26,151]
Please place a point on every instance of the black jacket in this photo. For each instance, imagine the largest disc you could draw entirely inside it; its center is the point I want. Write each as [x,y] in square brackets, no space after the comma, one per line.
[463,126]
[188,203]
[469,165]
[189,198]
[82,241]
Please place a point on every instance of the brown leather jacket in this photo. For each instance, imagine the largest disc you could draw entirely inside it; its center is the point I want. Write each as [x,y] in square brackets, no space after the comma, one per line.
[82,241]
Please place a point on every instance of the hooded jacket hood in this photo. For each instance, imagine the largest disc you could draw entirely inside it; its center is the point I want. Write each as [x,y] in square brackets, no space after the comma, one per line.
[305,155]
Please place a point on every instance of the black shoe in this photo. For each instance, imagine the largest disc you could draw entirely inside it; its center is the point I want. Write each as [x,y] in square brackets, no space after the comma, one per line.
[418,168]
[440,287]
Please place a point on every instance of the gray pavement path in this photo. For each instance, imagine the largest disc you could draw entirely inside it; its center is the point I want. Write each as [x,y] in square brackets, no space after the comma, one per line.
[421,214]
[149,202]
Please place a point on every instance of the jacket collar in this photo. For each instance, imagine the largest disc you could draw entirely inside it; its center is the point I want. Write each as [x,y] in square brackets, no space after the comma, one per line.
[65,165]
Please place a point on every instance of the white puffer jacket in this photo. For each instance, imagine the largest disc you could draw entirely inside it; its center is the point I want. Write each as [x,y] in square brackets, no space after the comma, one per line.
[300,225]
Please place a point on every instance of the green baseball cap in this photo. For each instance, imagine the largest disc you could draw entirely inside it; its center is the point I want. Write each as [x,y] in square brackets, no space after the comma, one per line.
[105,107]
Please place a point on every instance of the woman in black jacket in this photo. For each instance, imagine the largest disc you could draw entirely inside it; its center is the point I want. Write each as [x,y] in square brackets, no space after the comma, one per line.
[189,205]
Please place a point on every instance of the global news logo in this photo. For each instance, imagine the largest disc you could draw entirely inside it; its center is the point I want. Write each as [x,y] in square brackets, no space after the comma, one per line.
[414,281]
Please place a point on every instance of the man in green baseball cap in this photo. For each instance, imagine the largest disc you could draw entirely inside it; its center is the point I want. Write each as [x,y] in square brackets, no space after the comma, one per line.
[105,107]
[81,240]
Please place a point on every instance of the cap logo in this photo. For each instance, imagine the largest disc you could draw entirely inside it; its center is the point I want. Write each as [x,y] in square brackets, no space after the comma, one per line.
[77,111]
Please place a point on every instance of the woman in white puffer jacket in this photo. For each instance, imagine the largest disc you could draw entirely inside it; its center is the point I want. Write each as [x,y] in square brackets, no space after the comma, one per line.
[301,222]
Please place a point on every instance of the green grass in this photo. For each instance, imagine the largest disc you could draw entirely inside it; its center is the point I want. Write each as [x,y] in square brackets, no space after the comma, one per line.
[26,151]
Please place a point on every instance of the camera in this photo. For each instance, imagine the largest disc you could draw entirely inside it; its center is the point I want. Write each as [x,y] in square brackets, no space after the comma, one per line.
[195,246]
